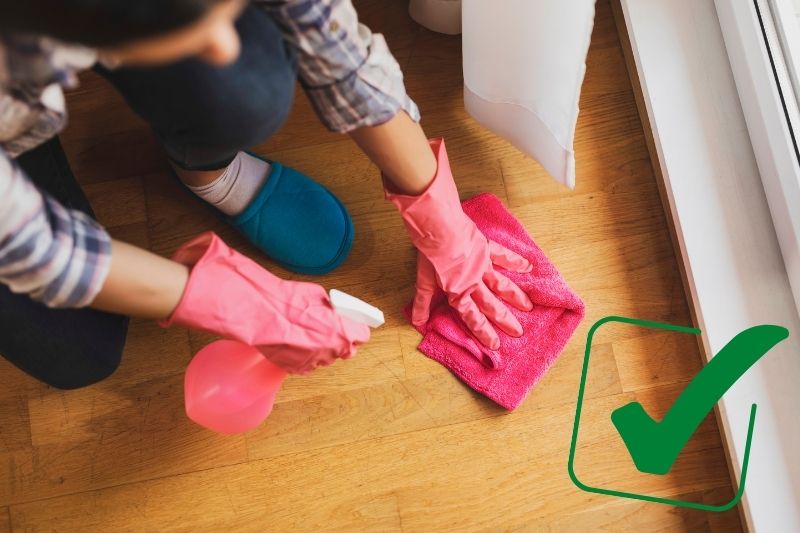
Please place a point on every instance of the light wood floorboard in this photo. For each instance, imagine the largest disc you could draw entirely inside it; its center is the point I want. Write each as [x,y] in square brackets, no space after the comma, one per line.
[389,440]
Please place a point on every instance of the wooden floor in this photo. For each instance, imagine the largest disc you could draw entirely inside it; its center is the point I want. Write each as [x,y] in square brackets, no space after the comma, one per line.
[389,440]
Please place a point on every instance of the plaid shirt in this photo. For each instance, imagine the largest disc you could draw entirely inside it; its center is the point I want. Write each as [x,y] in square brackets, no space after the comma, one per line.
[60,256]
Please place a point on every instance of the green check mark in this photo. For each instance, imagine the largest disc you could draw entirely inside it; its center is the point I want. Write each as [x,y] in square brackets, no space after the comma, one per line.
[654,446]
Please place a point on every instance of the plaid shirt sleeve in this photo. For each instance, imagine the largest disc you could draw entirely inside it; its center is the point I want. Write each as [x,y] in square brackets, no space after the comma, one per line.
[58,256]
[348,72]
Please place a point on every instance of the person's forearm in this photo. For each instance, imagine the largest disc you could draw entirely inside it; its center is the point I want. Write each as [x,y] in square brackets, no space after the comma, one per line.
[141,283]
[401,151]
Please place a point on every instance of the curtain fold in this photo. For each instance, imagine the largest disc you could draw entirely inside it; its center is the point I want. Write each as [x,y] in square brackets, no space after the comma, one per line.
[524,62]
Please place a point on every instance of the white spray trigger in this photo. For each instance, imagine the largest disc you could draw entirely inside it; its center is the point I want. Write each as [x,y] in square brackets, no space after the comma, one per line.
[356,309]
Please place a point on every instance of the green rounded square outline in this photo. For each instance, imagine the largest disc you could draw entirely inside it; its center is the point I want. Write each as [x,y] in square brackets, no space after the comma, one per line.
[630,495]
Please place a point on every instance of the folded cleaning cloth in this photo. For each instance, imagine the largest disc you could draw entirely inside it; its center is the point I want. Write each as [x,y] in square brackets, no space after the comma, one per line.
[507,374]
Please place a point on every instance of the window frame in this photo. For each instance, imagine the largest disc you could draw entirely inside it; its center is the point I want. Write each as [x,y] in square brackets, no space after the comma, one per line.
[769,102]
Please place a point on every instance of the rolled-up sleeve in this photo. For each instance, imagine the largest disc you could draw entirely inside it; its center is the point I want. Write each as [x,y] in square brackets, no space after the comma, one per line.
[348,72]
[60,257]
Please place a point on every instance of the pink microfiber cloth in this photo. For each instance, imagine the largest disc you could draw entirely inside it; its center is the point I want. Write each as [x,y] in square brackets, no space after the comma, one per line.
[508,374]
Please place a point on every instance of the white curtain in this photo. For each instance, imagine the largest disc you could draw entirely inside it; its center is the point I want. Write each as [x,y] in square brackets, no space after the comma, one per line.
[524,62]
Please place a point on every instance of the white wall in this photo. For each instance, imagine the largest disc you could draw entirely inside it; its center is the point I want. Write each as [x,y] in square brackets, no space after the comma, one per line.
[726,236]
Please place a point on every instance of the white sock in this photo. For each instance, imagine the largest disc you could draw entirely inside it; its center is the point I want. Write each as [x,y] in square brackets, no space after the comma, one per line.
[233,191]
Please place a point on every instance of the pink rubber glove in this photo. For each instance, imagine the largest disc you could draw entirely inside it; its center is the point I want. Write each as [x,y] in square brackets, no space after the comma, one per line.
[292,323]
[456,257]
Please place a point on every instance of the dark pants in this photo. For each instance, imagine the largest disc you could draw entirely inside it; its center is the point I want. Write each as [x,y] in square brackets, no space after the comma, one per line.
[65,348]
[203,115]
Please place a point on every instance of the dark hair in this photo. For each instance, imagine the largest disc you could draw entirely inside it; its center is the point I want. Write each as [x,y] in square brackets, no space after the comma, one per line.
[100,22]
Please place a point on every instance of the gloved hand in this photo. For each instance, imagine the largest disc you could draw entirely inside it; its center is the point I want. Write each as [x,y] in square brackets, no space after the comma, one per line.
[291,322]
[456,257]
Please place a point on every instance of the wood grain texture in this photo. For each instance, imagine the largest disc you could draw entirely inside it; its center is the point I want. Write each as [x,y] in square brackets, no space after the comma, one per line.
[441,479]
[389,440]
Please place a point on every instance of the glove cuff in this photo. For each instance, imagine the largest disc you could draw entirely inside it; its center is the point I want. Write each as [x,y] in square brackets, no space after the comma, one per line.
[189,255]
[217,272]
[438,208]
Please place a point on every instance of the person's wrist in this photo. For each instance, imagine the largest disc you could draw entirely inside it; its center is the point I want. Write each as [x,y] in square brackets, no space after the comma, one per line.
[140,283]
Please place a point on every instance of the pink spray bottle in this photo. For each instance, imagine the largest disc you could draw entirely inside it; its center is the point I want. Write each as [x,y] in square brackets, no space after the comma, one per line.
[230,387]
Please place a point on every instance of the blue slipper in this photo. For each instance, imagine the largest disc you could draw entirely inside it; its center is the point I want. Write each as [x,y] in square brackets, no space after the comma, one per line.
[297,222]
